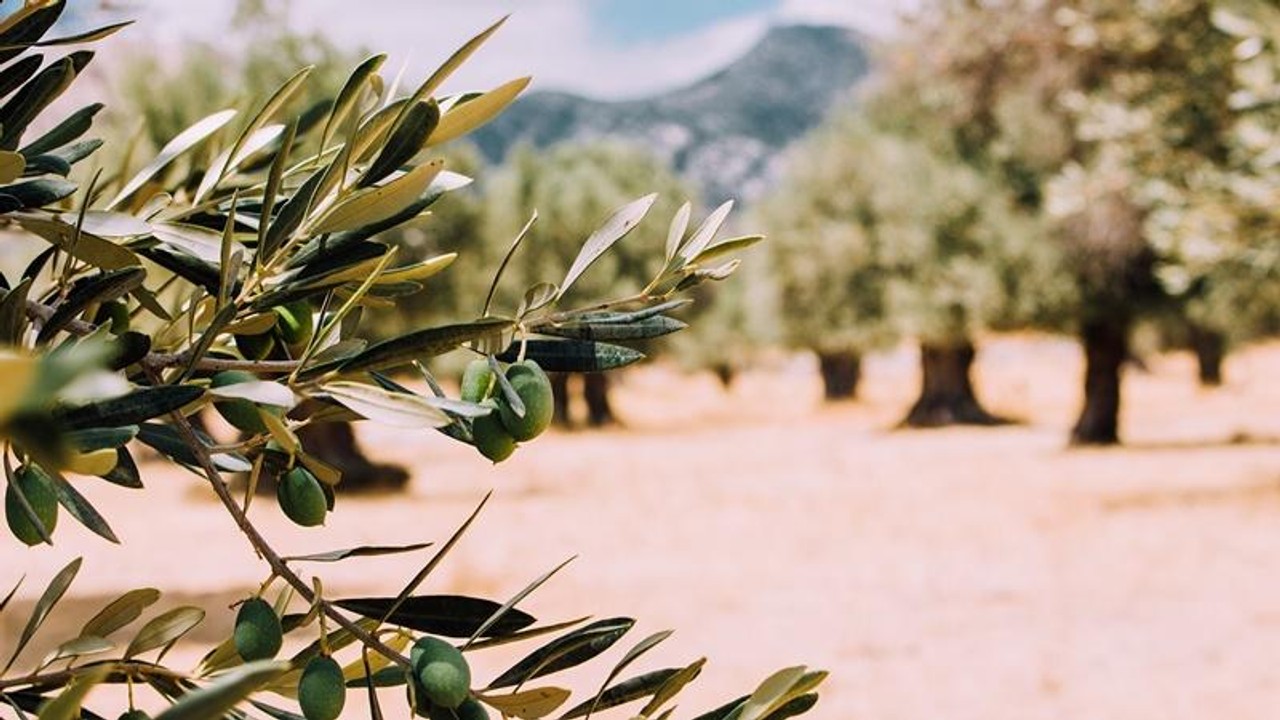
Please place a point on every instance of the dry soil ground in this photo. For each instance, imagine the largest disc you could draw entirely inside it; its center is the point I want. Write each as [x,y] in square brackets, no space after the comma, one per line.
[964,574]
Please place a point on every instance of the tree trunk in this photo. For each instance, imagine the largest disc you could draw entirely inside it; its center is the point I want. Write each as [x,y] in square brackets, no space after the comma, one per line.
[1210,347]
[946,389]
[335,443]
[560,392]
[725,373]
[841,372]
[595,389]
[1106,347]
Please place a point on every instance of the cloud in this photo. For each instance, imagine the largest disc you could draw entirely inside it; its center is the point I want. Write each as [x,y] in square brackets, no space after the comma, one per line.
[553,40]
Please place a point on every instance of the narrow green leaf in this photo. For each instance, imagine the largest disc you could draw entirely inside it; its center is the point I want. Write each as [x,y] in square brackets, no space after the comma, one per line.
[48,599]
[464,117]
[565,652]
[726,711]
[406,139]
[104,287]
[574,355]
[96,251]
[628,690]
[454,616]
[66,705]
[509,605]
[77,647]
[382,406]
[424,343]
[623,221]
[643,330]
[362,551]
[275,179]
[528,704]
[131,409]
[456,60]
[798,705]
[120,612]
[376,204]
[180,144]
[13,313]
[349,96]
[86,441]
[631,656]
[263,392]
[675,234]
[164,629]
[673,685]
[217,698]
[81,509]
[5,602]
[703,236]
[73,127]
[771,693]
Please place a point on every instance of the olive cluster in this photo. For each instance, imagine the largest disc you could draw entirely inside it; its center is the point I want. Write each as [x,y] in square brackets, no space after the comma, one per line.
[497,434]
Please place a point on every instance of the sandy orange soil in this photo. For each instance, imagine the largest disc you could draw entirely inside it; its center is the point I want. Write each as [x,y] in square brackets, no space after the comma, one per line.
[964,574]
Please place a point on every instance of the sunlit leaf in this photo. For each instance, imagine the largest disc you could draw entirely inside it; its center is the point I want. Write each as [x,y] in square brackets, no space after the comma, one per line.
[180,144]
[56,588]
[464,117]
[623,221]
[164,629]
[528,704]
[120,612]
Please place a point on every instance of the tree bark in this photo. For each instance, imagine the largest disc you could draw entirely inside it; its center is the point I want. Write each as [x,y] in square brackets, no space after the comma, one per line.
[946,390]
[560,391]
[1210,347]
[1106,347]
[595,389]
[335,443]
[841,372]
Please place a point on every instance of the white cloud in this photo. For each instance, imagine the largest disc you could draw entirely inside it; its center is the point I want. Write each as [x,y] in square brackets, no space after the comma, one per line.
[553,40]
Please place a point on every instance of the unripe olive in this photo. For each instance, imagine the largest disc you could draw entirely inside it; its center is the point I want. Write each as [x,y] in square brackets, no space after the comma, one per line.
[258,634]
[37,487]
[242,414]
[295,324]
[477,380]
[114,312]
[442,673]
[134,714]
[470,709]
[322,691]
[534,388]
[490,436]
[302,498]
[256,347]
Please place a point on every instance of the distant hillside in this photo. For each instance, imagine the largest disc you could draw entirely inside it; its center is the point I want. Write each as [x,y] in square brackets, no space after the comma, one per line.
[723,132]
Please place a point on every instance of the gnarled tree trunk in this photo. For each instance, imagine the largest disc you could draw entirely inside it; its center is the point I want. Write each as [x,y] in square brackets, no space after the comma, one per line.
[1106,348]
[1210,347]
[560,391]
[841,372]
[946,388]
[595,390]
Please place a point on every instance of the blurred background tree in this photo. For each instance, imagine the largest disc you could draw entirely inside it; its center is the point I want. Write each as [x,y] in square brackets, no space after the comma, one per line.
[574,188]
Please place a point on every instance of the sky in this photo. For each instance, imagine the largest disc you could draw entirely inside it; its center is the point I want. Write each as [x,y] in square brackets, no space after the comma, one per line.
[600,48]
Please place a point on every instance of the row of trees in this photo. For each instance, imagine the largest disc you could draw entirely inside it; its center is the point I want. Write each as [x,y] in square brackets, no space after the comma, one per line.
[1073,165]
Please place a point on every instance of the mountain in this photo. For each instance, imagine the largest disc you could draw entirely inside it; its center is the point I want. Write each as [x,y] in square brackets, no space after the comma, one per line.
[724,132]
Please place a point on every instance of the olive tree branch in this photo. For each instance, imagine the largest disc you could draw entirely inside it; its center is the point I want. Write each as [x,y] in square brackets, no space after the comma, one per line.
[260,545]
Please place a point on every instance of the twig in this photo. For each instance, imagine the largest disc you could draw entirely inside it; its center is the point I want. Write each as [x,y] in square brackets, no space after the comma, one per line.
[264,550]
[160,361]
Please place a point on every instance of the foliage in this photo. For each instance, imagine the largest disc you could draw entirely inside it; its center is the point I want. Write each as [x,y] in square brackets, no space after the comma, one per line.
[254,245]
[878,235]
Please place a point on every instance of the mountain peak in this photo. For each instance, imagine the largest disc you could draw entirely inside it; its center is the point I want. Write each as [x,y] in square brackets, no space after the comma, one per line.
[725,131]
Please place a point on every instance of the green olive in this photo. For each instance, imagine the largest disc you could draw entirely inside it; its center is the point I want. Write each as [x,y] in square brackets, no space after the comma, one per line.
[322,691]
[534,388]
[114,312]
[302,498]
[258,633]
[441,671]
[37,488]
[490,436]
